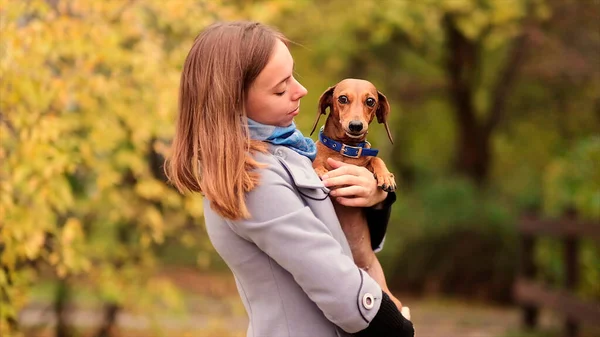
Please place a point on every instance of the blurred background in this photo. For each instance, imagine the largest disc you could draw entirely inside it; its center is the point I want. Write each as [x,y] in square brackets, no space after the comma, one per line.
[495,115]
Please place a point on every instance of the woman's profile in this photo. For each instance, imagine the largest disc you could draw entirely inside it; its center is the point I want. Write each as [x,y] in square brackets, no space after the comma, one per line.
[267,213]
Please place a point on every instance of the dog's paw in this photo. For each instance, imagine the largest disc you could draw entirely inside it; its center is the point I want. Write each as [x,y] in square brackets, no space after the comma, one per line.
[386,182]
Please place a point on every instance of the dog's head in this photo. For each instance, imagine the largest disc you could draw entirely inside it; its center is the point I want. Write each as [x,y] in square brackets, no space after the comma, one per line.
[354,103]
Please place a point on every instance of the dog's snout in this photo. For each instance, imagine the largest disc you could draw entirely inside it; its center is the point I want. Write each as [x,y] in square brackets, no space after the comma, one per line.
[355,126]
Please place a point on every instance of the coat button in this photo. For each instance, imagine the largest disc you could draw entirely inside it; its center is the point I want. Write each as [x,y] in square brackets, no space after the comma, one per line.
[279,153]
[368,301]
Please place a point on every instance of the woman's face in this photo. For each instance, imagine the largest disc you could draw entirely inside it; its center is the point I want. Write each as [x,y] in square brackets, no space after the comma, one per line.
[274,97]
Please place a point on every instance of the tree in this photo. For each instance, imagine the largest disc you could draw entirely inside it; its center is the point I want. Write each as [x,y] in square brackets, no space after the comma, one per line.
[458,39]
[88,102]
[492,90]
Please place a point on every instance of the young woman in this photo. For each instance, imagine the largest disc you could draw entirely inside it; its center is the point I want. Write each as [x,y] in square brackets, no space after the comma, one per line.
[267,213]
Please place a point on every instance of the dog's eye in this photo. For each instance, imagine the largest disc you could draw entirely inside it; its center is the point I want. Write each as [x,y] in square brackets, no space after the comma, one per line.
[370,102]
[343,99]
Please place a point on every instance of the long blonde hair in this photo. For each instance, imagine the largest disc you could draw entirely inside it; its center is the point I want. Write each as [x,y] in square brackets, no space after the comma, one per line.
[211,150]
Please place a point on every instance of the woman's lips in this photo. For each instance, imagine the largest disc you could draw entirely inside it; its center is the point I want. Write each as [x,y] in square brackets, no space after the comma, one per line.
[295,111]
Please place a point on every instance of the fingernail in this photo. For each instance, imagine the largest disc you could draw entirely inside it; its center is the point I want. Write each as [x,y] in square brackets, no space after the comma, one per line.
[325,177]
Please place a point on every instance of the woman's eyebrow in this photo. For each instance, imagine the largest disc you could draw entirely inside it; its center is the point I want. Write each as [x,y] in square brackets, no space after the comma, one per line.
[287,78]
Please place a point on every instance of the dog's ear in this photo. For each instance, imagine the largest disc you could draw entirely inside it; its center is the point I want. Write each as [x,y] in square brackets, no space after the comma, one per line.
[383,110]
[325,101]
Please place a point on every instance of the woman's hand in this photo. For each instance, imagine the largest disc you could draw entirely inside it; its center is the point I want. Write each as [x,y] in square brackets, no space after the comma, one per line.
[352,185]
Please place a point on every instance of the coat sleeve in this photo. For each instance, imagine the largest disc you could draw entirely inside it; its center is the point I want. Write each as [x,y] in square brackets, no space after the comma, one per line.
[378,219]
[287,230]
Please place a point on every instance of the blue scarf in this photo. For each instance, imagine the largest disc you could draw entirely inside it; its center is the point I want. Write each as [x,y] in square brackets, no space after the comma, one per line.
[287,136]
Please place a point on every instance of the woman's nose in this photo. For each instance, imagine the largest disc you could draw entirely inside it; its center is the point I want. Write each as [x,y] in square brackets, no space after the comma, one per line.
[300,91]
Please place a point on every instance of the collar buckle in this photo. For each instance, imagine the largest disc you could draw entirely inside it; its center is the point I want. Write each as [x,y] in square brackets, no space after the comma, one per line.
[355,151]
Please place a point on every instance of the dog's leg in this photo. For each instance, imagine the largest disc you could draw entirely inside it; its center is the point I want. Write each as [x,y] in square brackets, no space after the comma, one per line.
[319,167]
[385,179]
[356,230]
[357,233]
[376,272]
[321,170]
[320,163]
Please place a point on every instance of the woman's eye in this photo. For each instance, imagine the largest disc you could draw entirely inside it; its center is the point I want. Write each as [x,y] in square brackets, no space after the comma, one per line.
[370,102]
[280,93]
[343,99]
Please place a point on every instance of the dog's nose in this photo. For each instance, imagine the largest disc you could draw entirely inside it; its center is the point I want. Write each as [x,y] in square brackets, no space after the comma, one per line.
[355,126]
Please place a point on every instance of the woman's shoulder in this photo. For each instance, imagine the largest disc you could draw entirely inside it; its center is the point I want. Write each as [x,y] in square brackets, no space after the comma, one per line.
[271,168]
[284,163]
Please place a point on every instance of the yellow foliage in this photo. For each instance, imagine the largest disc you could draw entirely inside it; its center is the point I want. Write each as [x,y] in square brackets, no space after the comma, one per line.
[88,100]
[89,96]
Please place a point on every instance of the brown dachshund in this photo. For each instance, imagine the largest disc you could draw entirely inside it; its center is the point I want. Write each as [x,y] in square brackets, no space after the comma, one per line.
[353,104]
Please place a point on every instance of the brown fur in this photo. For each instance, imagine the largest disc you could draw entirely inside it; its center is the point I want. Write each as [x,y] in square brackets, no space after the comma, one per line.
[337,127]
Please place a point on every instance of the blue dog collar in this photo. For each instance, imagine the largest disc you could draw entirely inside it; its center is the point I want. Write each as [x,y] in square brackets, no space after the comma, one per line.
[347,150]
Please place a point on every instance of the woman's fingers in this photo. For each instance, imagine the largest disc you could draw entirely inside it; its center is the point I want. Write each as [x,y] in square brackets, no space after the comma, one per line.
[352,202]
[343,180]
[340,171]
[350,191]
[335,163]
[340,168]
[352,185]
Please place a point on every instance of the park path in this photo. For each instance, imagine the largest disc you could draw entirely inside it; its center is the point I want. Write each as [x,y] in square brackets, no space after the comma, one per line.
[216,311]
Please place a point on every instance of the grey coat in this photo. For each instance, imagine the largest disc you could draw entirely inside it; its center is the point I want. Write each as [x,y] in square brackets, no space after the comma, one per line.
[291,261]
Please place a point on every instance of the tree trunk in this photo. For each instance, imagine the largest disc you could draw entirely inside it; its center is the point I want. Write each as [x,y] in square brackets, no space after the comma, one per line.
[111,310]
[473,157]
[474,137]
[61,300]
